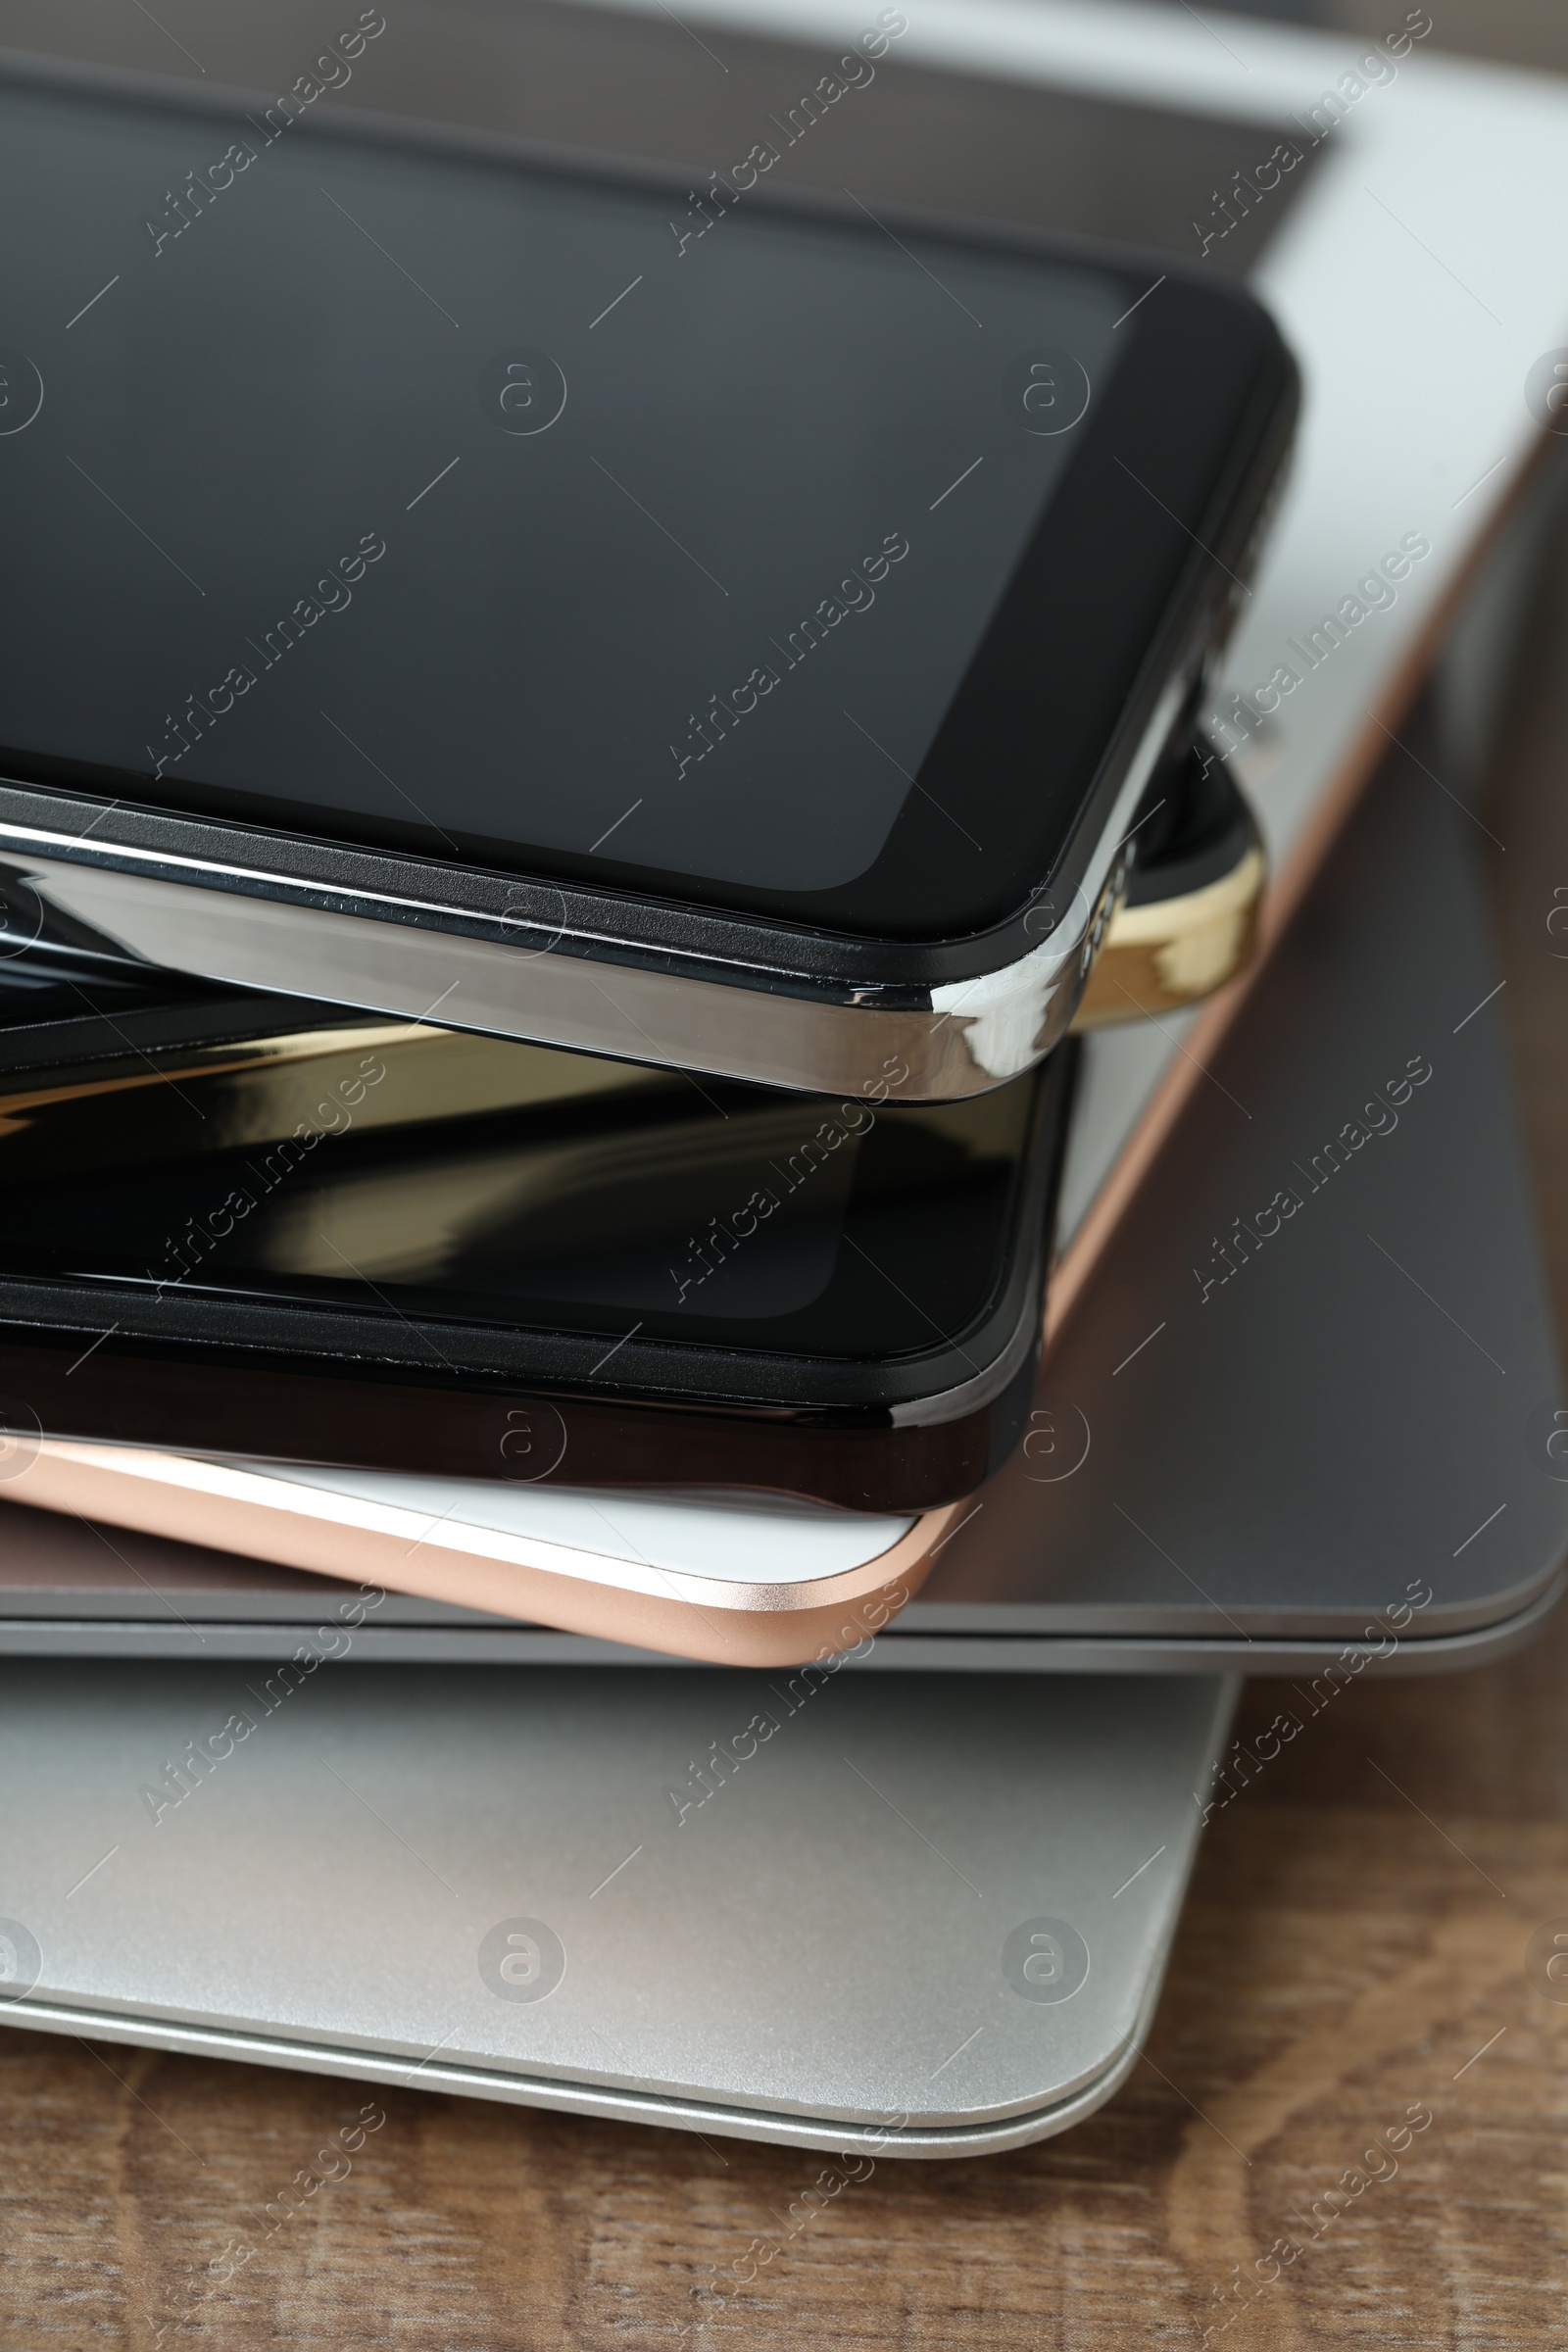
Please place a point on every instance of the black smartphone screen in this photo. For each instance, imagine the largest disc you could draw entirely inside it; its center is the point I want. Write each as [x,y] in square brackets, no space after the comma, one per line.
[427,1175]
[411,496]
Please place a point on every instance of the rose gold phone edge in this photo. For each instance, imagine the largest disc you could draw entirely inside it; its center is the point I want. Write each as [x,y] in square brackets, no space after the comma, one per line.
[229,1507]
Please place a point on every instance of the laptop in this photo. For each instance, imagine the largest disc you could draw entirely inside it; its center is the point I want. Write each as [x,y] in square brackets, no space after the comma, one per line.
[918,1916]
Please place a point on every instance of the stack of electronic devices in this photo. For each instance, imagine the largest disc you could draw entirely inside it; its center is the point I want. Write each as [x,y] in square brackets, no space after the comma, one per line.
[688,839]
[256,1248]
[616,796]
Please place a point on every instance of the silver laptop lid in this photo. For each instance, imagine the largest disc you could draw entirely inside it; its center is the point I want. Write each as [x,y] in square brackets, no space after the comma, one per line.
[917,1915]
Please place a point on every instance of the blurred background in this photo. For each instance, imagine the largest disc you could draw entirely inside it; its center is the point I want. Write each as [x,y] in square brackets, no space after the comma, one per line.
[1514,32]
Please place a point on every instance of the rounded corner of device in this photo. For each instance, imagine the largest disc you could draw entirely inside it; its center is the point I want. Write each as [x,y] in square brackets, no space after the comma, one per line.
[261,1513]
[1177,952]
[818,1627]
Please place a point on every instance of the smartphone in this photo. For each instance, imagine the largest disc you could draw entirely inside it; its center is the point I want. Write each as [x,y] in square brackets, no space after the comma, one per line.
[735,1578]
[401,1247]
[1185,923]
[721,629]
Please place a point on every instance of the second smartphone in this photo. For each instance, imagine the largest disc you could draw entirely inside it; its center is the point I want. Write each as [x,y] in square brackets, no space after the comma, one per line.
[245,1227]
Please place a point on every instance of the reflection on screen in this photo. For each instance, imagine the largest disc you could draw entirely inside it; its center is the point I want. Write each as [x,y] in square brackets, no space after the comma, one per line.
[433,492]
[398,1171]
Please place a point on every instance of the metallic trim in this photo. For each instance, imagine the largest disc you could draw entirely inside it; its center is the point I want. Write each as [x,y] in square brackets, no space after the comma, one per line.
[1174,951]
[901,1649]
[382,953]
[230,1508]
[974,1395]
[912,1650]
[603,2100]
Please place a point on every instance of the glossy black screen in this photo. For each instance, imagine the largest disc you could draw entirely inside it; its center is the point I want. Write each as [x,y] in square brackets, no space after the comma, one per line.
[404,1173]
[438,498]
